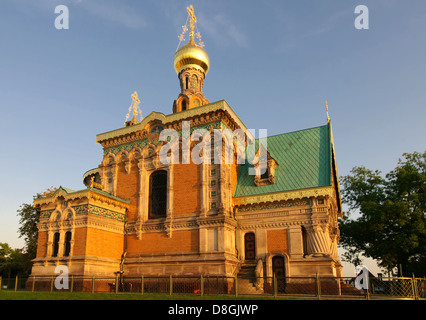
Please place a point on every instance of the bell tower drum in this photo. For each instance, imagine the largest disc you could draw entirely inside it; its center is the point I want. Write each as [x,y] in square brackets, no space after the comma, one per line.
[191,64]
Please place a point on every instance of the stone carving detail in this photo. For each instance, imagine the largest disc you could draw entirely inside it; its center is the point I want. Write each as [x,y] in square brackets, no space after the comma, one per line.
[318,241]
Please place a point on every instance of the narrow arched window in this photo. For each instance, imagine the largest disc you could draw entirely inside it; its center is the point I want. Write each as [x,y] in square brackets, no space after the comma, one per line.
[304,241]
[67,244]
[158,195]
[55,244]
[183,105]
[186,82]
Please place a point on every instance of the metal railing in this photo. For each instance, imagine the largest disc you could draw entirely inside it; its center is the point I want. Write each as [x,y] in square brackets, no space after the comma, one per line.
[305,287]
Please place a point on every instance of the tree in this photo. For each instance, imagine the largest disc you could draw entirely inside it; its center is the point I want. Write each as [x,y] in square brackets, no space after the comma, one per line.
[13,262]
[28,229]
[29,217]
[391,225]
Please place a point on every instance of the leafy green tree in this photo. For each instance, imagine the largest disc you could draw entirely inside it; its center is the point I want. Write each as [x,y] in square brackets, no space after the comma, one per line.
[29,217]
[13,262]
[390,226]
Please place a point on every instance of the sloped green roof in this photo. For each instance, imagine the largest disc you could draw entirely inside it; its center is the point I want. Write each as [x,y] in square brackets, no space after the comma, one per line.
[101,192]
[303,158]
[107,194]
[67,190]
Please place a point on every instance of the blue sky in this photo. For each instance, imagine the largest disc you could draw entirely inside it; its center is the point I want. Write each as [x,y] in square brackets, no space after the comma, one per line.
[274,62]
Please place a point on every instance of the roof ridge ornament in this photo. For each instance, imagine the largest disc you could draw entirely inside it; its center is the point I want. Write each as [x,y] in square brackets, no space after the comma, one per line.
[326,107]
[94,184]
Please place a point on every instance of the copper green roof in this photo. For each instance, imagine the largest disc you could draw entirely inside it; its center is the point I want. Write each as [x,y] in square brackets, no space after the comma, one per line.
[304,161]
[101,192]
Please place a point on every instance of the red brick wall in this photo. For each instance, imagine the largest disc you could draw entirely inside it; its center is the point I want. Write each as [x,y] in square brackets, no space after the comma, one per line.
[186,193]
[128,187]
[277,240]
[41,244]
[101,243]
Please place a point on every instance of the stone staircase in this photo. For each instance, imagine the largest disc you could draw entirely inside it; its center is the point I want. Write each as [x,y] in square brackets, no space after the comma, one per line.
[246,278]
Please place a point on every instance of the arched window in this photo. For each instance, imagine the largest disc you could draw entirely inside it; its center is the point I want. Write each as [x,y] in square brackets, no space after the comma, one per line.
[183,105]
[67,244]
[55,244]
[186,82]
[304,241]
[158,195]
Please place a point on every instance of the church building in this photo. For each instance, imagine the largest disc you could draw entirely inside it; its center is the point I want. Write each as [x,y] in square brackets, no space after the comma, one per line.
[152,208]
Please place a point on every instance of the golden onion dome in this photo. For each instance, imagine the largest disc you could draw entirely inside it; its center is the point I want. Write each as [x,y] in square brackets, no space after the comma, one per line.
[191,55]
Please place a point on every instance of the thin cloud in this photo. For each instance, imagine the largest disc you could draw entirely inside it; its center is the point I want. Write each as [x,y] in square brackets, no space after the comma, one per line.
[222,30]
[330,23]
[115,12]
[213,27]
[109,10]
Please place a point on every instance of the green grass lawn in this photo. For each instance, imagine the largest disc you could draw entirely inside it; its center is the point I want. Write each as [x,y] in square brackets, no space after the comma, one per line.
[41,295]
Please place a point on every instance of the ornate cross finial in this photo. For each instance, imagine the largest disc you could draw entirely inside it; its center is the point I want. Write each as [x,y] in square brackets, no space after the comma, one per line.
[135,107]
[192,20]
[326,107]
[135,99]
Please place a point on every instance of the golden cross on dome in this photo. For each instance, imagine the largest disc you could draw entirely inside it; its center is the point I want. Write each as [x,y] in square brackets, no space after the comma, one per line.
[192,20]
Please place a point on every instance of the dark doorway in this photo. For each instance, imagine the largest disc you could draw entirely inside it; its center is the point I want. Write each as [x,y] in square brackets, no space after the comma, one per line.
[279,272]
[250,246]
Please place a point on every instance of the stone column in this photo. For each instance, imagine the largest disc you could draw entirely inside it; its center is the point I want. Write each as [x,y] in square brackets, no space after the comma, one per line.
[49,244]
[333,248]
[61,242]
[169,219]
[204,205]
[318,241]
[111,178]
[221,182]
[141,198]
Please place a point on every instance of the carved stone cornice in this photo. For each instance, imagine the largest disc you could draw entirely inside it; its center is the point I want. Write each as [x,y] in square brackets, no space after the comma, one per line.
[216,220]
[179,223]
[202,115]
[284,196]
[126,138]
[92,195]
[272,224]
[86,220]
